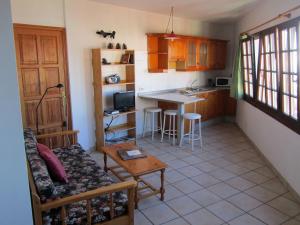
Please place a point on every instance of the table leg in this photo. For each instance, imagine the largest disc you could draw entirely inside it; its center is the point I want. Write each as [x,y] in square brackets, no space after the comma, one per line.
[180,131]
[162,188]
[136,192]
[105,162]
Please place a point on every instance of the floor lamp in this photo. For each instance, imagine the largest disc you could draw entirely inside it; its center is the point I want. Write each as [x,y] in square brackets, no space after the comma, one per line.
[37,107]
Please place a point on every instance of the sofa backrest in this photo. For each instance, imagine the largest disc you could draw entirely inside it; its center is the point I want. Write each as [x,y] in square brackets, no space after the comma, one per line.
[43,182]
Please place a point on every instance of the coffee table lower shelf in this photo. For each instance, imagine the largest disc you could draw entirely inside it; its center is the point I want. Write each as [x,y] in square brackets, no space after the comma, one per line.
[142,185]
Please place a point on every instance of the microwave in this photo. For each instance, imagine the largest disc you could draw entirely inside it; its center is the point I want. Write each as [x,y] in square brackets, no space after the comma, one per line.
[223,81]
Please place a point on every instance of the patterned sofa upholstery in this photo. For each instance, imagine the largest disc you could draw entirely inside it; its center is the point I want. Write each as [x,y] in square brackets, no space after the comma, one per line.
[83,175]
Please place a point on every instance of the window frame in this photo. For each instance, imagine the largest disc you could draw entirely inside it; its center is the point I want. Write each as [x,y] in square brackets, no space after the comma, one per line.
[278,114]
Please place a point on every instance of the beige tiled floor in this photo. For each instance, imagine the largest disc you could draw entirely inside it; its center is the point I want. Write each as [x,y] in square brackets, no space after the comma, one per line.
[225,183]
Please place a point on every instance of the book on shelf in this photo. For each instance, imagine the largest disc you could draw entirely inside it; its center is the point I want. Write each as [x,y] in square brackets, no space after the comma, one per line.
[126,154]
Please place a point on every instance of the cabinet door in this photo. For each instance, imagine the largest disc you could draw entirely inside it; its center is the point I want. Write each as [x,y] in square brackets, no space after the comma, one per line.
[202,106]
[191,54]
[177,50]
[202,59]
[221,47]
[211,105]
[221,99]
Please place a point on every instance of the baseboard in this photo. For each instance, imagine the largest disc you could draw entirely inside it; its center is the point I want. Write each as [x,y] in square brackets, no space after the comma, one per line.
[281,178]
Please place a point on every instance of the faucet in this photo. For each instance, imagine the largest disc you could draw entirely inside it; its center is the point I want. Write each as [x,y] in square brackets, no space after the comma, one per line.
[194,81]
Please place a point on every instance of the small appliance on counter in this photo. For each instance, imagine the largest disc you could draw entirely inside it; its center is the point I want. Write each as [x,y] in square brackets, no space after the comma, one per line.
[112,79]
[223,81]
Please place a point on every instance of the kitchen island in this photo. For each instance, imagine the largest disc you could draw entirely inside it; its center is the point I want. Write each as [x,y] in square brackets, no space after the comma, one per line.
[211,103]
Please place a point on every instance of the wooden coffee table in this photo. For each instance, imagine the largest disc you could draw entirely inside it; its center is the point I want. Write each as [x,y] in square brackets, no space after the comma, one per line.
[135,168]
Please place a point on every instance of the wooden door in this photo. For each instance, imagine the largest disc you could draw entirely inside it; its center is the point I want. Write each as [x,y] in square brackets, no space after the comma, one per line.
[202,106]
[42,63]
[177,50]
[191,54]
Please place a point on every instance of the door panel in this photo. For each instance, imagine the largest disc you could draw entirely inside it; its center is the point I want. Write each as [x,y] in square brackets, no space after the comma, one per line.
[42,63]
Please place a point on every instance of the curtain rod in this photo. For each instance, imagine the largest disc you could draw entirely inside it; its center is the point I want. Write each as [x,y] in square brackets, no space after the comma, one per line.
[286,14]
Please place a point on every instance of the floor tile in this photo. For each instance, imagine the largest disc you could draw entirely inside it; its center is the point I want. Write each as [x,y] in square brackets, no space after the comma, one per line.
[244,201]
[221,162]
[149,202]
[275,185]
[203,217]
[173,176]
[255,177]
[240,183]
[206,166]
[160,214]
[269,215]
[192,159]
[265,171]
[261,194]
[292,222]
[176,164]
[187,186]
[167,157]
[171,192]
[183,205]
[206,180]
[238,170]
[245,220]
[140,219]
[190,171]
[222,174]
[178,221]
[225,210]
[223,190]
[204,197]
[285,205]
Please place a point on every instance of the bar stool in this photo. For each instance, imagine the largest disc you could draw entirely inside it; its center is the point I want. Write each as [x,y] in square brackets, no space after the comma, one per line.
[172,123]
[192,117]
[152,112]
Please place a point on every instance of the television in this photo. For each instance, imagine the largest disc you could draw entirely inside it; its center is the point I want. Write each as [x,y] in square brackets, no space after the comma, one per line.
[124,101]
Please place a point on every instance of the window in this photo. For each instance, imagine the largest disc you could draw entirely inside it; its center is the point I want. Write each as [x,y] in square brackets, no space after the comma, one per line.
[270,67]
[247,66]
[289,73]
[267,86]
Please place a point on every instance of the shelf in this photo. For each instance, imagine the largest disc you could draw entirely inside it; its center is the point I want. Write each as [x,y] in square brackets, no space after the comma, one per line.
[121,113]
[118,64]
[117,50]
[159,53]
[121,140]
[121,128]
[122,82]
[157,70]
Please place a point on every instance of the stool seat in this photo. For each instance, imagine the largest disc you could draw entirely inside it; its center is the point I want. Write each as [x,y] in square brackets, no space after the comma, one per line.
[153,110]
[191,116]
[170,112]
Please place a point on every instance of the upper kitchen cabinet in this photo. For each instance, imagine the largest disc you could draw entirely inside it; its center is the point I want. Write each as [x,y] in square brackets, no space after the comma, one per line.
[217,51]
[177,50]
[158,54]
[186,53]
[202,59]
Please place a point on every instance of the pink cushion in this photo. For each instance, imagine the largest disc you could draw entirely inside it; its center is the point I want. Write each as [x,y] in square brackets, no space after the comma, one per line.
[55,167]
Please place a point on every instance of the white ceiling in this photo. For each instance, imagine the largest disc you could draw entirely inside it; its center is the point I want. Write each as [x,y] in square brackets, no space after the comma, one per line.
[207,10]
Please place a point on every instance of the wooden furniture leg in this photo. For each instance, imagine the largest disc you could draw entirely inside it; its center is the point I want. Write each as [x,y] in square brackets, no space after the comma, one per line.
[105,162]
[136,192]
[162,188]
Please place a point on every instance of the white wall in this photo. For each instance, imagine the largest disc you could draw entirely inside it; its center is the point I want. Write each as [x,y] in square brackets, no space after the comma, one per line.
[15,204]
[277,142]
[82,18]
[38,12]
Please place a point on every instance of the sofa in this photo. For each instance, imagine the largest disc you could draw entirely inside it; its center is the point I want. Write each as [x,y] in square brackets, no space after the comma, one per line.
[90,196]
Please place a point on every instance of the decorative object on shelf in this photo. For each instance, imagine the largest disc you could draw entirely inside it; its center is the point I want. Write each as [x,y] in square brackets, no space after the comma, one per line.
[106,34]
[125,58]
[118,46]
[124,46]
[110,46]
[171,36]
[126,154]
[112,79]
[131,59]
[104,62]
[59,86]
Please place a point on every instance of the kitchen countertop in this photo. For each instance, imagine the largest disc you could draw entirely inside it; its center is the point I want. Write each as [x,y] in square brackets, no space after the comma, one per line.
[176,96]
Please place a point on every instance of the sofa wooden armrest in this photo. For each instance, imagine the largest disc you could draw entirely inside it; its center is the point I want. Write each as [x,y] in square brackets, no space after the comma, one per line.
[59,139]
[127,219]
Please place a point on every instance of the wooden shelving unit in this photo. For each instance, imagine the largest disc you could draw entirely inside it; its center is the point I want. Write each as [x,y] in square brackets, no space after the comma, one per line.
[118,130]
